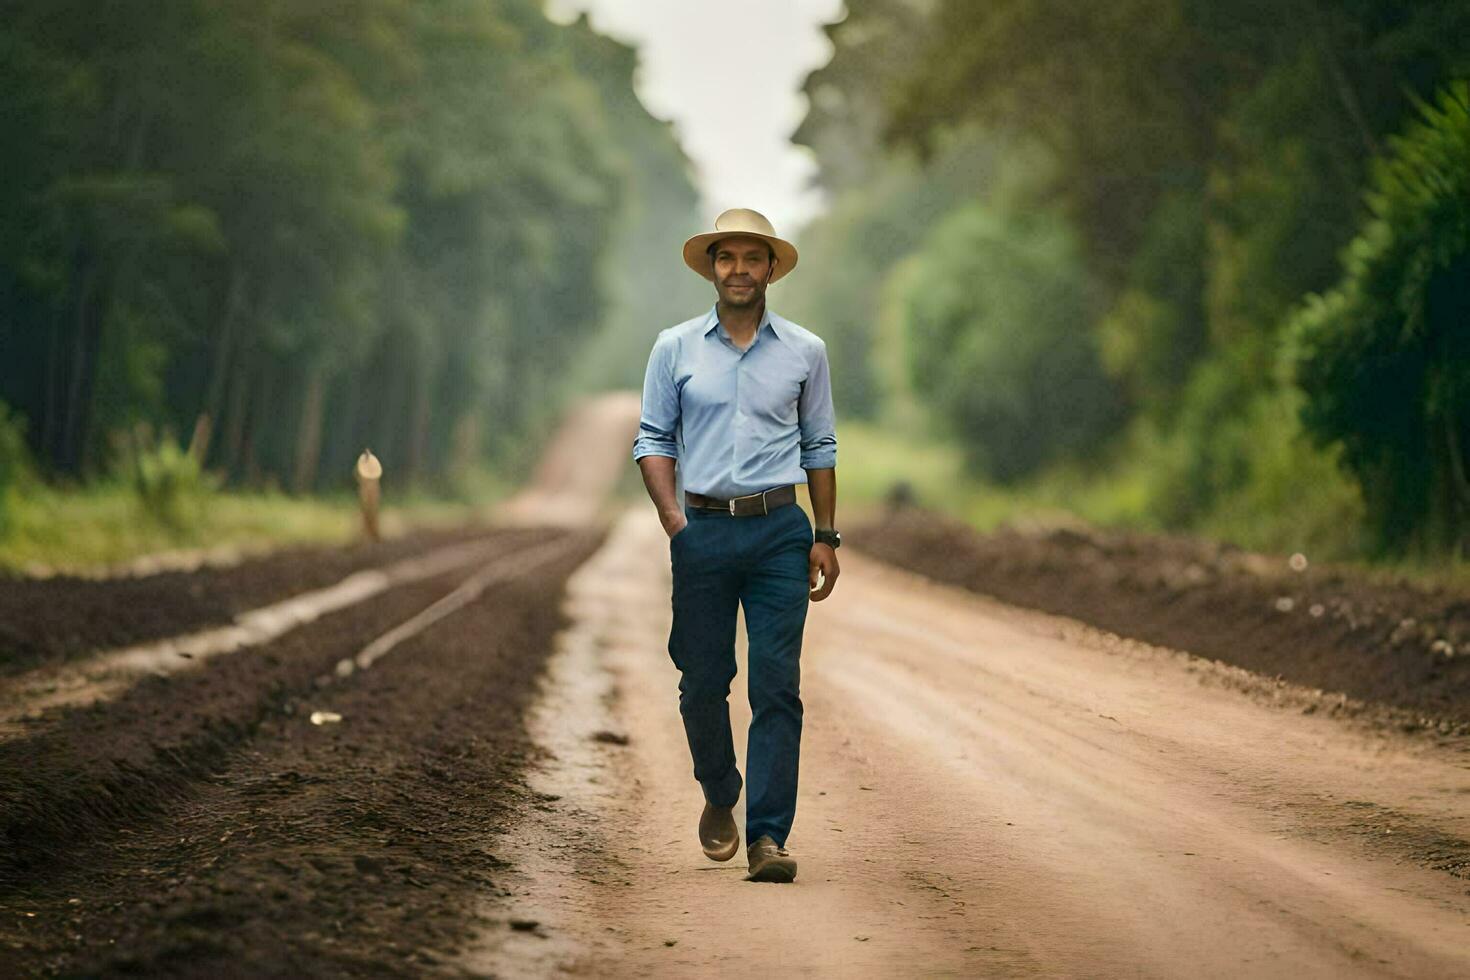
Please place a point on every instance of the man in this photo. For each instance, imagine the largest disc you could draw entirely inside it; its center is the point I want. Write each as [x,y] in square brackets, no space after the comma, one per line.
[742,399]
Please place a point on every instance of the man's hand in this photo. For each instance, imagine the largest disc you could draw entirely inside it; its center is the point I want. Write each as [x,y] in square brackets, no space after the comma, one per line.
[822,484]
[823,558]
[673,522]
[658,477]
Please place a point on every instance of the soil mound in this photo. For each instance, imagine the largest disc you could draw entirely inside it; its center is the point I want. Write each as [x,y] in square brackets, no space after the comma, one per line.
[1329,628]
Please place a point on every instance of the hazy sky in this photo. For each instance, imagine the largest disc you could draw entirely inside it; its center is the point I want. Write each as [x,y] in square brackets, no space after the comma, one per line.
[729,77]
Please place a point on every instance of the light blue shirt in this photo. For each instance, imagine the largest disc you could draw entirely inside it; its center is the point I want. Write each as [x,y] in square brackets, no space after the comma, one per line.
[738,422]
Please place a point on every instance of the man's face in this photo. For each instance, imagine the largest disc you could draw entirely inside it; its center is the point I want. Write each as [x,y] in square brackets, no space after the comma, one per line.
[742,266]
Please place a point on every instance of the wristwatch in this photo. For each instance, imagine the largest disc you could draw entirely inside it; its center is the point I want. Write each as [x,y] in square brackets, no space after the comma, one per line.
[825,535]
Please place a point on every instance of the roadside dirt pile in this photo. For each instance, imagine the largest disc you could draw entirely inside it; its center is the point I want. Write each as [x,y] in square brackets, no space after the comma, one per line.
[1320,627]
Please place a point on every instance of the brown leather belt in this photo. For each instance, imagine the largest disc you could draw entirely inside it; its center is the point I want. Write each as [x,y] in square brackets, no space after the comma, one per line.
[751,505]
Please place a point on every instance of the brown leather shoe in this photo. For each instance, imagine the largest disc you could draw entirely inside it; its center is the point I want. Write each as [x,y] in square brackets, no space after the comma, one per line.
[769,862]
[718,834]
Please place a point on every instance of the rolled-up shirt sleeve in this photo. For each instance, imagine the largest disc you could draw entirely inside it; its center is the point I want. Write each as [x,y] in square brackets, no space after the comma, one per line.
[659,422]
[815,415]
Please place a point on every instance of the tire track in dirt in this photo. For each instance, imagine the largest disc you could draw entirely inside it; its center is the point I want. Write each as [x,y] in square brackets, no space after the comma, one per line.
[47,622]
[29,699]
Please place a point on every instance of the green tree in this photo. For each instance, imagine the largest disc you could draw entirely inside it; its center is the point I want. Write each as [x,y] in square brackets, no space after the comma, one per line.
[646,285]
[321,224]
[1384,358]
[875,46]
[996,311]
[1229,135]
[849,255]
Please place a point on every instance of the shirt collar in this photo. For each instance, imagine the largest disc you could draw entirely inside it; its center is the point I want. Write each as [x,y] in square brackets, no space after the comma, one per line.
[768,319]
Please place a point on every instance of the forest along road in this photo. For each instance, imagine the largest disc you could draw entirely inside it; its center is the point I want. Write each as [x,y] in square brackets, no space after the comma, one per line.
[984,792]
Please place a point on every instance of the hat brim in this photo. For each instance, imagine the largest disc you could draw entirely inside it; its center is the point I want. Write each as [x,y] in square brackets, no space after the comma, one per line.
[696,252]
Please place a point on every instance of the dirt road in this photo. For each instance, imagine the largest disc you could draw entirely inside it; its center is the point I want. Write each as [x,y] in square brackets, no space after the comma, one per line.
[461,756]
[985,792]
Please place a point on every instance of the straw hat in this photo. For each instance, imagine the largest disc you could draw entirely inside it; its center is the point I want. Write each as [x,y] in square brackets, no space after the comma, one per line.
[739,221]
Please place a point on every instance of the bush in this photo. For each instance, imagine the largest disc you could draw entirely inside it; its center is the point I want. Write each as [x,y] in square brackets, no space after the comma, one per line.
[1290,495]
[1201,456]
[996,311]
[171,484]
[1384,358]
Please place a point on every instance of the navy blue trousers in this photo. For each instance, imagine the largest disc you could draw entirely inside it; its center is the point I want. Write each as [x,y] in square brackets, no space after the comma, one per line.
[760,564]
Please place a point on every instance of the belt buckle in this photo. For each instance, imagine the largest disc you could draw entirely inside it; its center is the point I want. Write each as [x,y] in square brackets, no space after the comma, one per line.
[765,508]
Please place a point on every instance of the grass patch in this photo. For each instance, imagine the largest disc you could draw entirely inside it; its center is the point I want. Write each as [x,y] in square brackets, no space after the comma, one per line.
[873,459]
[1294,499]
[57,529]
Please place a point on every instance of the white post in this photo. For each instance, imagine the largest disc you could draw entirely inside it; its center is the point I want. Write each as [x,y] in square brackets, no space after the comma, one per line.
[369,471]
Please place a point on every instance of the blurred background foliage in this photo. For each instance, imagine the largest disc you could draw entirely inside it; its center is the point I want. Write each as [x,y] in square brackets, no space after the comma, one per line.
[1197,265]
[318,225]
[1185,264]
